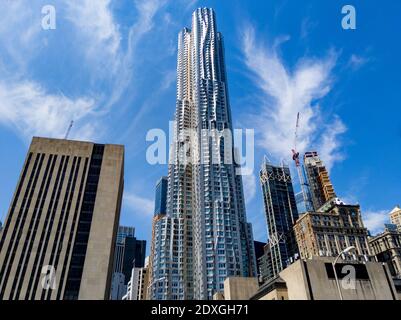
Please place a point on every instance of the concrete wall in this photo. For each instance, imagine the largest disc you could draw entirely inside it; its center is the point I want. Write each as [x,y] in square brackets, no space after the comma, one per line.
[98,267]
[237,288]
[324,288]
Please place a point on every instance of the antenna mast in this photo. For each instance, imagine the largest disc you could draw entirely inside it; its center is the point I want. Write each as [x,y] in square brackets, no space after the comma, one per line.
[69,129]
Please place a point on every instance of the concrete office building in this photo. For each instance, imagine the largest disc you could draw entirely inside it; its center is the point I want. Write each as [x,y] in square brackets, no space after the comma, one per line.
[314,279]
[328,233]
[320,185]
[395,217]
[238,288]
[386,246]
[281,215]
[209,238]
[63,222]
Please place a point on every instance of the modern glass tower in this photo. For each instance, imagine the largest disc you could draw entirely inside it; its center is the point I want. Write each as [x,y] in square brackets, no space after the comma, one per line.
[161,196]
[281,215]
[205,237]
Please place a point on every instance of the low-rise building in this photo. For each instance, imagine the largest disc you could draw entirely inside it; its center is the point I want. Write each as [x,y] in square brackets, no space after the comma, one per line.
[395,217]
[314,279]
[386,246]
[138,284]
[334,228]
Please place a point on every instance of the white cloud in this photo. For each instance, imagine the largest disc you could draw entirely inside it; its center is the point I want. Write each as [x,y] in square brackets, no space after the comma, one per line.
[27,108]
[287,92]
[19,30]
[95,23]
[375,220]
[140,205]
[249,182]
[356,62]
[330,143]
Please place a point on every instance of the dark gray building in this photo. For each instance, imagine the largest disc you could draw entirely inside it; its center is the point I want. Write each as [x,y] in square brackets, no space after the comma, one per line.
[161,196]
[281,214]
[130,253]
[59,235]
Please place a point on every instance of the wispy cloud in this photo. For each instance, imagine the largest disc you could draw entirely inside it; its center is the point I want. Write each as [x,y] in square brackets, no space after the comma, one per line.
[287,92]
[356,62]
[27,108]
[97,28]
[307,27]
[138,204]
[375,220]
[28,105]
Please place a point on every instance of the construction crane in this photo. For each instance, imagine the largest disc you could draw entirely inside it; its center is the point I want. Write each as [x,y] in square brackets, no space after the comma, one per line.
[69,129]
[303,183]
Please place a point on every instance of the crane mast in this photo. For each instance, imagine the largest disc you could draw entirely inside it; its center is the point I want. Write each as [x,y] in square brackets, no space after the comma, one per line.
[301,177]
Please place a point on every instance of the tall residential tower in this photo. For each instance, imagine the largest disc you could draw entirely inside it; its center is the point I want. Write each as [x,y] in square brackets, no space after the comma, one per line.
[205,237]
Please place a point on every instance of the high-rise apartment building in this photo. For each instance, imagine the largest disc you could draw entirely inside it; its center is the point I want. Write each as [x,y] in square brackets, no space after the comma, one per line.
[205,236]
[59,235]
[320,185]
[281,215]
[395,217]
[327,233]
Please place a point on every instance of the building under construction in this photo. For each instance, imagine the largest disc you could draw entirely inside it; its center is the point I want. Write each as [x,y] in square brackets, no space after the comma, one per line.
[320,186]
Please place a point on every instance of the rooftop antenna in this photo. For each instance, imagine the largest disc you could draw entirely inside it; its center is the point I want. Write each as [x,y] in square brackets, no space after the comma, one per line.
[69,130]
[303,183]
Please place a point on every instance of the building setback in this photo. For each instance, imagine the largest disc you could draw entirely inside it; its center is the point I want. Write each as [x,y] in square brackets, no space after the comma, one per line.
[62,222]
[320,185]
[206,236]
[281,214]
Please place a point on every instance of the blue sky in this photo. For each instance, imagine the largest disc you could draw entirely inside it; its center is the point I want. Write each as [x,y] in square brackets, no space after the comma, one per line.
[110,66]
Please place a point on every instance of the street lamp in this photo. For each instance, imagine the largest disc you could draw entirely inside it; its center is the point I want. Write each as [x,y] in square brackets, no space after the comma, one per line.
[351,248]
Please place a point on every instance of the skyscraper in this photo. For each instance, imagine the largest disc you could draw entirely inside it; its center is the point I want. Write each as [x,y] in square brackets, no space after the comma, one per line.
[62,222]
[205,236]
[129,253]
[319,181]
[281,214]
